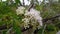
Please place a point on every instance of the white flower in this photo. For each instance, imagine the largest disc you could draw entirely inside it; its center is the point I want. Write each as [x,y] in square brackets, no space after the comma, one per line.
[20,10]
[35,14]
[26,22]
[33,18]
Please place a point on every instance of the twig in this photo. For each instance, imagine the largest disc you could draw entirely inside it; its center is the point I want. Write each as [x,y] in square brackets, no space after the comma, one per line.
[3,27]
[52,18]
[9,30]
[44,28]
[23,3]
[30,7]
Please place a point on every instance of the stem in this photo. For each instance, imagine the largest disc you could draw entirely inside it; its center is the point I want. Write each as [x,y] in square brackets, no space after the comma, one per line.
[44,29]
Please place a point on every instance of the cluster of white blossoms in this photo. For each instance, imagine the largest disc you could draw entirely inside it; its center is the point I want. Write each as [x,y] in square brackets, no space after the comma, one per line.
[32,17]
[35,18]
[20,10]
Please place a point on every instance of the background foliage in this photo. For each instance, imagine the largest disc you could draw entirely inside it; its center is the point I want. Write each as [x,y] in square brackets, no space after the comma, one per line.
[8,17]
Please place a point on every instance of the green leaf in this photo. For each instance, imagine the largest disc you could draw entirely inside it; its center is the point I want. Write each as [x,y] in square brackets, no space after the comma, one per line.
[16,28]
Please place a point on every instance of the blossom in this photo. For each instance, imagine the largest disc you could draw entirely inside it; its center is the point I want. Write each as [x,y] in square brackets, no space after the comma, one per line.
[35,14]
[33,17]
[20,10]
[26,22]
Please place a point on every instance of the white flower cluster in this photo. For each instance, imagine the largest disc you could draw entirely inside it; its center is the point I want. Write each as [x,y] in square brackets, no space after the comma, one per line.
[26,22]
[32,17]
[20,10]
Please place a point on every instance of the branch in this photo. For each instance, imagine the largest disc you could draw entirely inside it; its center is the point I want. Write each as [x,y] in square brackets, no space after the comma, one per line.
[4,26]
[30,7]
[23,3]
[45,20]
[52,18]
